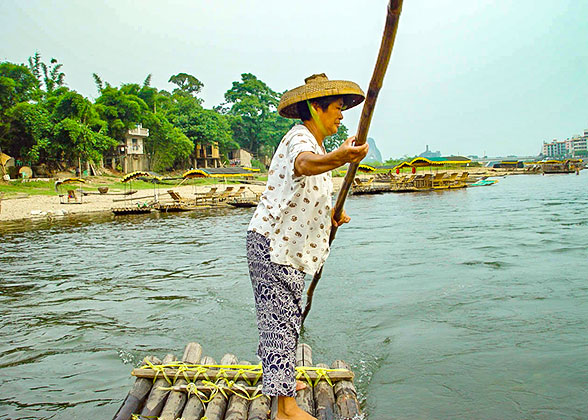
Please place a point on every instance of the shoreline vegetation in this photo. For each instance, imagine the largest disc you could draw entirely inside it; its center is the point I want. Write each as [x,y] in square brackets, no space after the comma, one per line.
[48,125]
[38,199]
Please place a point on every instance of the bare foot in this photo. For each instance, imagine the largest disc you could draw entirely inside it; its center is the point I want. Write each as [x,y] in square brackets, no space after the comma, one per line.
[300,385]
[289,410]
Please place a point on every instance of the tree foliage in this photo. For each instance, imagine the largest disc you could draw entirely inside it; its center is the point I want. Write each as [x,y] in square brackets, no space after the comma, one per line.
[17,84]
[50,75]
[41,119]
[29,132]
[257,126]
[201,126]
[75,139]
[186,84]
[120,110]
[333,142]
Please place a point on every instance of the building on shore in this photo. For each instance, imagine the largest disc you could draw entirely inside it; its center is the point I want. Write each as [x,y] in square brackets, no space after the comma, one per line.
[239,157]
[575,146]
[129,155]
[207,156]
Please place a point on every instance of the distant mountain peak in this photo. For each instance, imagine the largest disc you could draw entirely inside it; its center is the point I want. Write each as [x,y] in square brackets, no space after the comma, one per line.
[374,154]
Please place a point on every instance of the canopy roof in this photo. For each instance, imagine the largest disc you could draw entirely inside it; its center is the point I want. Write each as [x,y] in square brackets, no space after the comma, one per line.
[403,165]
[195,173]
[421,161]
[365,168]
[68,181]
[440,161]
[219,172]
[4,158]
[138,174]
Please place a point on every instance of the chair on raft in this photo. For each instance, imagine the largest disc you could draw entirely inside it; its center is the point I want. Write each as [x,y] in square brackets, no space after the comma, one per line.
[438,181]
[460,181]
[178,199]
[206,196]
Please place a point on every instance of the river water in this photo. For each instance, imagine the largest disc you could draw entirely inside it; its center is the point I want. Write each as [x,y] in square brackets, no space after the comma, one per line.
[469,304]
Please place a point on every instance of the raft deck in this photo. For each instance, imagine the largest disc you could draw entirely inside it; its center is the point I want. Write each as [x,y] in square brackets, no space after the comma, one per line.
[197,387]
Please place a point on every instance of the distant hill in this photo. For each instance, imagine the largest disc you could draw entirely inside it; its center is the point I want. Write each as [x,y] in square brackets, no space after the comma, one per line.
[374,154]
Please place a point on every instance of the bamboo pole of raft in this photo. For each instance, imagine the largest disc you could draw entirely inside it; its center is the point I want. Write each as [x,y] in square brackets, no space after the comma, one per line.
[238,406]
[346,395]
[217,407]
[194,409]
[390,28]
[324,399]
[157,396]
[305,397]
[136,395]
[176,400]
[259,408]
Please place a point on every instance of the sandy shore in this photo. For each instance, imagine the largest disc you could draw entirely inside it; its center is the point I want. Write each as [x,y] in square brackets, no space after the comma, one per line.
[41,206]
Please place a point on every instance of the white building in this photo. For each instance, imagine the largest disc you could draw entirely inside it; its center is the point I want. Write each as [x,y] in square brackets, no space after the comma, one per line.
[568,147]
[555,148]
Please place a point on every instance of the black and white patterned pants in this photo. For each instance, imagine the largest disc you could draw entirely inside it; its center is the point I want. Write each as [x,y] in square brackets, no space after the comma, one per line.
[278,301]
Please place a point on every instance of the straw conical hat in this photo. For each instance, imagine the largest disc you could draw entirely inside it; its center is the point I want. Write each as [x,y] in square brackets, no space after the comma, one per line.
[317,86]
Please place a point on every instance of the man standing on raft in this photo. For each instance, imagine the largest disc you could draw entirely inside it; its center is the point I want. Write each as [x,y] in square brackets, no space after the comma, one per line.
[288,236]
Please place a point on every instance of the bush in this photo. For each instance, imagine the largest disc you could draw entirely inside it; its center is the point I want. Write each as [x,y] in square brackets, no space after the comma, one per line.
[258,165]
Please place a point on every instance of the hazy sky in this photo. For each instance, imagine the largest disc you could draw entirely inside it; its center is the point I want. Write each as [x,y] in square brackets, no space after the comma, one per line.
[466,76]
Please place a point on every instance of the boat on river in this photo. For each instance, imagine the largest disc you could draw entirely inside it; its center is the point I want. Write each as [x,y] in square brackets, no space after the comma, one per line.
[568,166]
[484,183]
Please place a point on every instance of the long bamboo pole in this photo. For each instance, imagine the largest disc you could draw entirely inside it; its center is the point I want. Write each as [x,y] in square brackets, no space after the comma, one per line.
[393,16]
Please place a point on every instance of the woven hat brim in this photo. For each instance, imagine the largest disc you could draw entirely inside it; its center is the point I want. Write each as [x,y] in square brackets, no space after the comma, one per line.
[351,93]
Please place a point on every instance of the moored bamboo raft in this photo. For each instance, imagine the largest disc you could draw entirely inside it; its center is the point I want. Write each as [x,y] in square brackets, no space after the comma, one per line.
[196,387]
[132,210]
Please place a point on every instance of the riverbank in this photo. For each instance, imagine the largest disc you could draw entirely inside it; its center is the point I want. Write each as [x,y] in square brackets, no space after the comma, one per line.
[17,207]
[41,206]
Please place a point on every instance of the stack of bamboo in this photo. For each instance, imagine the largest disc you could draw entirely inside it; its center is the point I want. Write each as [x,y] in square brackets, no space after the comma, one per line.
[167,398]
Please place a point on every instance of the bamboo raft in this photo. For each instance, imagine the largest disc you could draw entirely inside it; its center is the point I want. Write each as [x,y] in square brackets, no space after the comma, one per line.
[196,388]
[131,210]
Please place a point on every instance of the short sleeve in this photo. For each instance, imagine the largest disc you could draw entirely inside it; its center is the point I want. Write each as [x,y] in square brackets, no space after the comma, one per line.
[299,143]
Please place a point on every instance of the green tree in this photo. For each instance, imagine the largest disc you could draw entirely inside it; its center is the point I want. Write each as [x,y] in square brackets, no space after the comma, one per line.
[29,132]
[257,126]
[186,84]
[332,142]
[120,110]
[73,139]
[17,84]
[50,75]
[201,126]
[166,144]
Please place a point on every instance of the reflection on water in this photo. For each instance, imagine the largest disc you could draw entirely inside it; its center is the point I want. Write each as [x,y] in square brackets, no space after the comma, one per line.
[456,304]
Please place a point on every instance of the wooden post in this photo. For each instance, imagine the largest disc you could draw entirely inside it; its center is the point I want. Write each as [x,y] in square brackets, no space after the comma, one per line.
[217,407]
[136,396]
[238,406]
[324,399]
[346,394]
[176,400]
[194,409]
[157,396]
[304,397]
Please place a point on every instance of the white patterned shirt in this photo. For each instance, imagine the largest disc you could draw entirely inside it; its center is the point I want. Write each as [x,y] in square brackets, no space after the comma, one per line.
[294,212]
